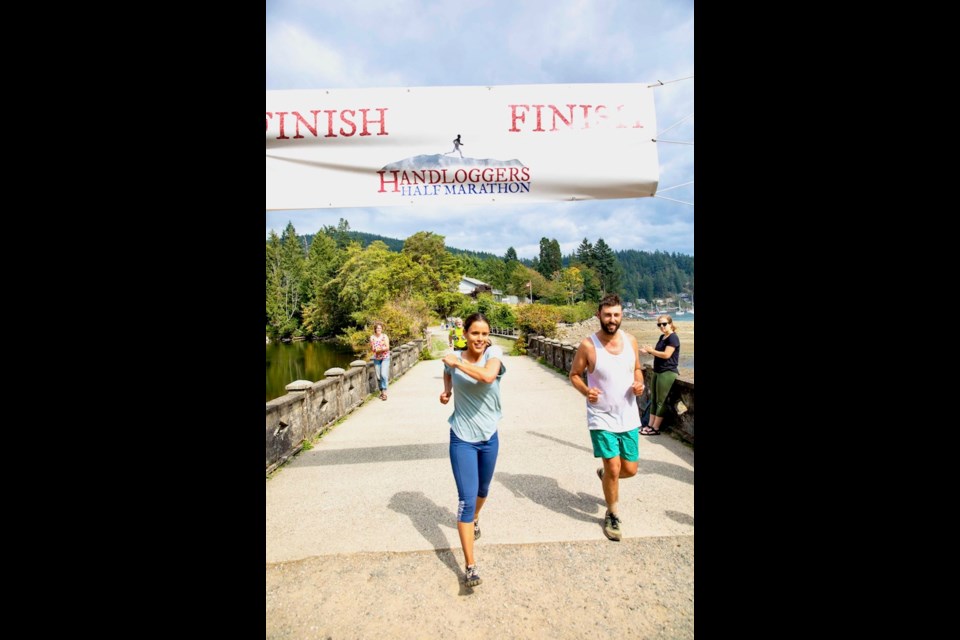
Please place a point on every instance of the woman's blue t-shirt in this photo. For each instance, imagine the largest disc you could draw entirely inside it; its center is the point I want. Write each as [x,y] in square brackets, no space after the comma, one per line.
[476,405]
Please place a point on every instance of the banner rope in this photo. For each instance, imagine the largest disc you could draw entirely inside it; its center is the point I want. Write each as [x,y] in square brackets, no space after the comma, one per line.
[660,83]
[672,200]
[674,124]
[676,186]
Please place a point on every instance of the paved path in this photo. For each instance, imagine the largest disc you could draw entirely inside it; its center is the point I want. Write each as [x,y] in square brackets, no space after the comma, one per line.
[376,498]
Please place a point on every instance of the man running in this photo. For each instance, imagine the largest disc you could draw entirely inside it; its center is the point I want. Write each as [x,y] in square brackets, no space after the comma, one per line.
[611,359]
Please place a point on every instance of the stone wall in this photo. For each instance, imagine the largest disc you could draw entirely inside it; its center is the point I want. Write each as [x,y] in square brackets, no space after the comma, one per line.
[310,408]
[679,416]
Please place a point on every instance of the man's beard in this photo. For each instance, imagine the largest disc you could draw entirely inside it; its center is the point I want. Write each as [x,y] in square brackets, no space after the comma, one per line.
[607,331]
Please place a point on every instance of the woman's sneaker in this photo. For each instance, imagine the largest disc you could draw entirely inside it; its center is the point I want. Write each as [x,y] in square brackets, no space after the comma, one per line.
[473,577]
[476,529]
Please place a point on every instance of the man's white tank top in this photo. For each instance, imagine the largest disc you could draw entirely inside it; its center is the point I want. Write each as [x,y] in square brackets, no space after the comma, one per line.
[616,409]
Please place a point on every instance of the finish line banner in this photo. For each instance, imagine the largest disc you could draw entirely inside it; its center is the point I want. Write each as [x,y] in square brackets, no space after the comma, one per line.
[469,145]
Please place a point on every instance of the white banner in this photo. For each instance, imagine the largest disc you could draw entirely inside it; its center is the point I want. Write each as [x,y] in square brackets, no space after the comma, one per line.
[471,145]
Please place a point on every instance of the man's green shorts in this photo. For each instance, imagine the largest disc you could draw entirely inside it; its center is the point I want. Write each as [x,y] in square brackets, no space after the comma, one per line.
[607,444]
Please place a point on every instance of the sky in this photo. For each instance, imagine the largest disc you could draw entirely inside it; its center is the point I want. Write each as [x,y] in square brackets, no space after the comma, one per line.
[315,44]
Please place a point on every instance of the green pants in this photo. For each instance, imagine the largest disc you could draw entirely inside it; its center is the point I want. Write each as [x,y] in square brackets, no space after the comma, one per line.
[660,384]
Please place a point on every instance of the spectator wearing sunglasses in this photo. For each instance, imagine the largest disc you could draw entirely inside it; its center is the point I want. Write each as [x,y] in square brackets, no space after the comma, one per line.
[666,357]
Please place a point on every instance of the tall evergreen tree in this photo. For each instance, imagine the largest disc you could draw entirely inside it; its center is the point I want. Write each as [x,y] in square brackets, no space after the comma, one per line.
[607,266]
[556,259]
[585,253]
[543,262]
[321,264]
[320,305]
[340,233]
[550,258]
[511,255]
[292,261]
[276,311]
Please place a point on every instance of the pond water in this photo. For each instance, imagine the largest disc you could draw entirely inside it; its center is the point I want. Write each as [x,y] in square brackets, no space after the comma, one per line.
[303,360]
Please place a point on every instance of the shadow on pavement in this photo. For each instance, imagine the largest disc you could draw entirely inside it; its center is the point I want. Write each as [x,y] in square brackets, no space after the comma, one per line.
[427,517]
[665,469]
[394,453]
[547,492]
[563,442]
[677,516]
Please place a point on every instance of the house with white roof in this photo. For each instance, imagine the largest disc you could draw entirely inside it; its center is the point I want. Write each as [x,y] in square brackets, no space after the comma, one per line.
[472,286]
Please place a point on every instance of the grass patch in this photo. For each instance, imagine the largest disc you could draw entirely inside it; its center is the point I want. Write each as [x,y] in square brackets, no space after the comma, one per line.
[434,349]
[548,365]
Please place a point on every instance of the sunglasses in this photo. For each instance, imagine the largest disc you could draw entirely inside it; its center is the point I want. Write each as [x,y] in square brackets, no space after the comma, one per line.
[662,324]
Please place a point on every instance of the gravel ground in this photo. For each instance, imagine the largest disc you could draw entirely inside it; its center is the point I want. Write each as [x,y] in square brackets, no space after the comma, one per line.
[637,588]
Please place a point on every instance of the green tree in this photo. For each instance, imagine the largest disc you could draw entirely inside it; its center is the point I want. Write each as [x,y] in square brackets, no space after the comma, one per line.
[445,303]
[362,282]
[427,249]
[570,284]
[321,264]
[538,319]
[556,258]
[585,253]
[607,267]
[550,259]
[403,320]
[646,288]
[276,299]
[521,276]
[293,260]
[339,233]
[320,315]
[592,291]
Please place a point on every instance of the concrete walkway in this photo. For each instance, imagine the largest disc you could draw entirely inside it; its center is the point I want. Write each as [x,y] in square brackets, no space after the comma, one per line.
[381,483]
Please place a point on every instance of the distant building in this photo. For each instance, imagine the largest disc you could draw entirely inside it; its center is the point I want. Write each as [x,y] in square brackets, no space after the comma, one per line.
[473,287]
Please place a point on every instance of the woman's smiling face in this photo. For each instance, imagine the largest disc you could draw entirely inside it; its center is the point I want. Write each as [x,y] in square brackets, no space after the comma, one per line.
[477,335]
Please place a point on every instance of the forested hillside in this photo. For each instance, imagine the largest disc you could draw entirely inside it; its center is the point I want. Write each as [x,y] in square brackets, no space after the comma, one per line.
[337,282]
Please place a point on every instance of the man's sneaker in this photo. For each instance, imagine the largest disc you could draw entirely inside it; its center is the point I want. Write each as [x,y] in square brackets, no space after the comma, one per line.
[600,473]
[473,577]
[476,529]
[611,527]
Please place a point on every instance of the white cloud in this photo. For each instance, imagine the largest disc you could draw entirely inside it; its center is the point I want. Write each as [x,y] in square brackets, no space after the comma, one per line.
[299,59]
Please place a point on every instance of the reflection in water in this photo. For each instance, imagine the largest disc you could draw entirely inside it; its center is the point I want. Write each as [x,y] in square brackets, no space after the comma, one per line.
[289,361]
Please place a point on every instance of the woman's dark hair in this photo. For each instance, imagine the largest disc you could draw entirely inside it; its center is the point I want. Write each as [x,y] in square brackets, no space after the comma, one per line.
[377,324]
[473,317]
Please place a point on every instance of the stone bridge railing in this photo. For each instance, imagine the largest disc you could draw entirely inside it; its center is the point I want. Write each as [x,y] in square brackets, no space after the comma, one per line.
[679,416]
[309,408]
